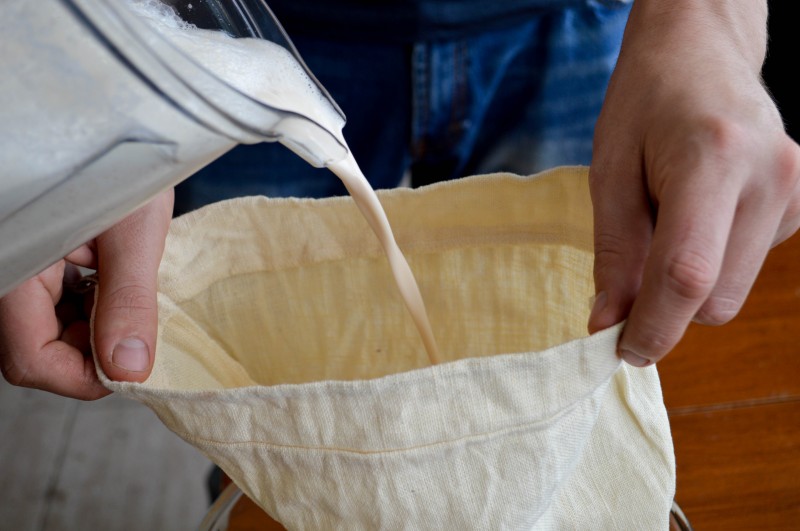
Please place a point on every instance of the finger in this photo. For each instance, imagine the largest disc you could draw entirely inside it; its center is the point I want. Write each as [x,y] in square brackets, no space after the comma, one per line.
[694,221]
[77,335]
[622,234]
[754,227]
[126,321]
[766,215]
[30,351]
[27,316]
[790,222]
[85,255]
[58,368]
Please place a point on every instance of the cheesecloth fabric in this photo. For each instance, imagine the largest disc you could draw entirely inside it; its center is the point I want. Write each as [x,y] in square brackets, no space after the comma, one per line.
[286,355]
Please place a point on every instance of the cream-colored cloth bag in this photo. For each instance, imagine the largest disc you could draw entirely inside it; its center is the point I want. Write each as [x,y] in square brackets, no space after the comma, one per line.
[286,355]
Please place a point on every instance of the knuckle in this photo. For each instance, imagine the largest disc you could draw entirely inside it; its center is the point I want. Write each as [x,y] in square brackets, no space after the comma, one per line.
[787,176]
[791,216]
[654,344]
[133,302]
[612,247]
[609,254]
[691,275]
[788,188]
[726,137]
[15,374]
[90,388]
[609,244]
[718,310]
[24,369]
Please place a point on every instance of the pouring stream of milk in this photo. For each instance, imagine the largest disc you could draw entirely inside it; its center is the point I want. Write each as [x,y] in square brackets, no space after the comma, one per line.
[269,73]
[366,199]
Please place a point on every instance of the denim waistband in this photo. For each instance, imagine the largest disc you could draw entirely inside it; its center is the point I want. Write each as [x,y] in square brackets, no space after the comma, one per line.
[409,21]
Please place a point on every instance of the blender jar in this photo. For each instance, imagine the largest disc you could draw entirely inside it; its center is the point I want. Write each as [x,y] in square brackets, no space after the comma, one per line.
[102,112]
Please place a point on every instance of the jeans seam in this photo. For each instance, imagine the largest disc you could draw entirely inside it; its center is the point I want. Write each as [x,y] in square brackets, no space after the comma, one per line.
[420,99]
[460,96]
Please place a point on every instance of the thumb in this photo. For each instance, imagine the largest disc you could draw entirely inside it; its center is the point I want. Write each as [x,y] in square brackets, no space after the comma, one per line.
[622,233]
[126,311]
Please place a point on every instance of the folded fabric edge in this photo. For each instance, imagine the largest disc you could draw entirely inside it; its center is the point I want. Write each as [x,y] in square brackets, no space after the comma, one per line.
[590,361]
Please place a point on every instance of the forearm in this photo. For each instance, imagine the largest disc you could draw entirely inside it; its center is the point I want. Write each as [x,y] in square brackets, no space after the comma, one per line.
[716,28]
[695,58]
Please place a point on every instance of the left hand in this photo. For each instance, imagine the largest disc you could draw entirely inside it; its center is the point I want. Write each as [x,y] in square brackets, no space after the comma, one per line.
[693,178]
[44,327]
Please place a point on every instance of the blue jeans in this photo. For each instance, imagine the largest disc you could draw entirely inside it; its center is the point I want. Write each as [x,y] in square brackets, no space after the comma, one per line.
[520,99]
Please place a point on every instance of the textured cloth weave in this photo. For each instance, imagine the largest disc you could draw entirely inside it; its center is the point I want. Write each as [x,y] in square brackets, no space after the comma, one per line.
[286,355]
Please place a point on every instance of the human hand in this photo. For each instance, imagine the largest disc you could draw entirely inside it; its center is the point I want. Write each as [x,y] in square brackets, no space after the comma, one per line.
[44,329]
[693,178]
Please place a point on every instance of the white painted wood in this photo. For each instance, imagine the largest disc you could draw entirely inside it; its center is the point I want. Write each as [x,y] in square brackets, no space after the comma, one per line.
[33,426]
[109,464]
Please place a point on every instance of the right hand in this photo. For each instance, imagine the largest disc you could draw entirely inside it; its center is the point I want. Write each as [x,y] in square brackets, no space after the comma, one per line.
[693,176]
[45,336]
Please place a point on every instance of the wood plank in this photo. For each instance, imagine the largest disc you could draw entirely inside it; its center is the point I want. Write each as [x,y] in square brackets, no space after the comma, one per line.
[733,394]
[123,470]
[33,425]
[740,468]
[756,357]
[247,516]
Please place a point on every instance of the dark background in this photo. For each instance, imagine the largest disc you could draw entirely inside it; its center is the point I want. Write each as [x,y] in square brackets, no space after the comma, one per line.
[780,69]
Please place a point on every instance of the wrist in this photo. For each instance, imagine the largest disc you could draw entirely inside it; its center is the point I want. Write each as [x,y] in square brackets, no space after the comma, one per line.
[716,30]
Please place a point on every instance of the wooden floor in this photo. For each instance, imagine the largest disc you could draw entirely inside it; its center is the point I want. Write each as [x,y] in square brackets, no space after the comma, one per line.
[733,396]
[107,465]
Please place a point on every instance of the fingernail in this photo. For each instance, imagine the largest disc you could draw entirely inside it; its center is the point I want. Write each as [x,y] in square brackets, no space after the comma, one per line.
[600,301]
[634,359]
[131,354]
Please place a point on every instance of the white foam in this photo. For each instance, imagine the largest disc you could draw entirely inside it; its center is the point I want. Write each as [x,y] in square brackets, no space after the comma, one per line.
[262,70]
[159,14]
